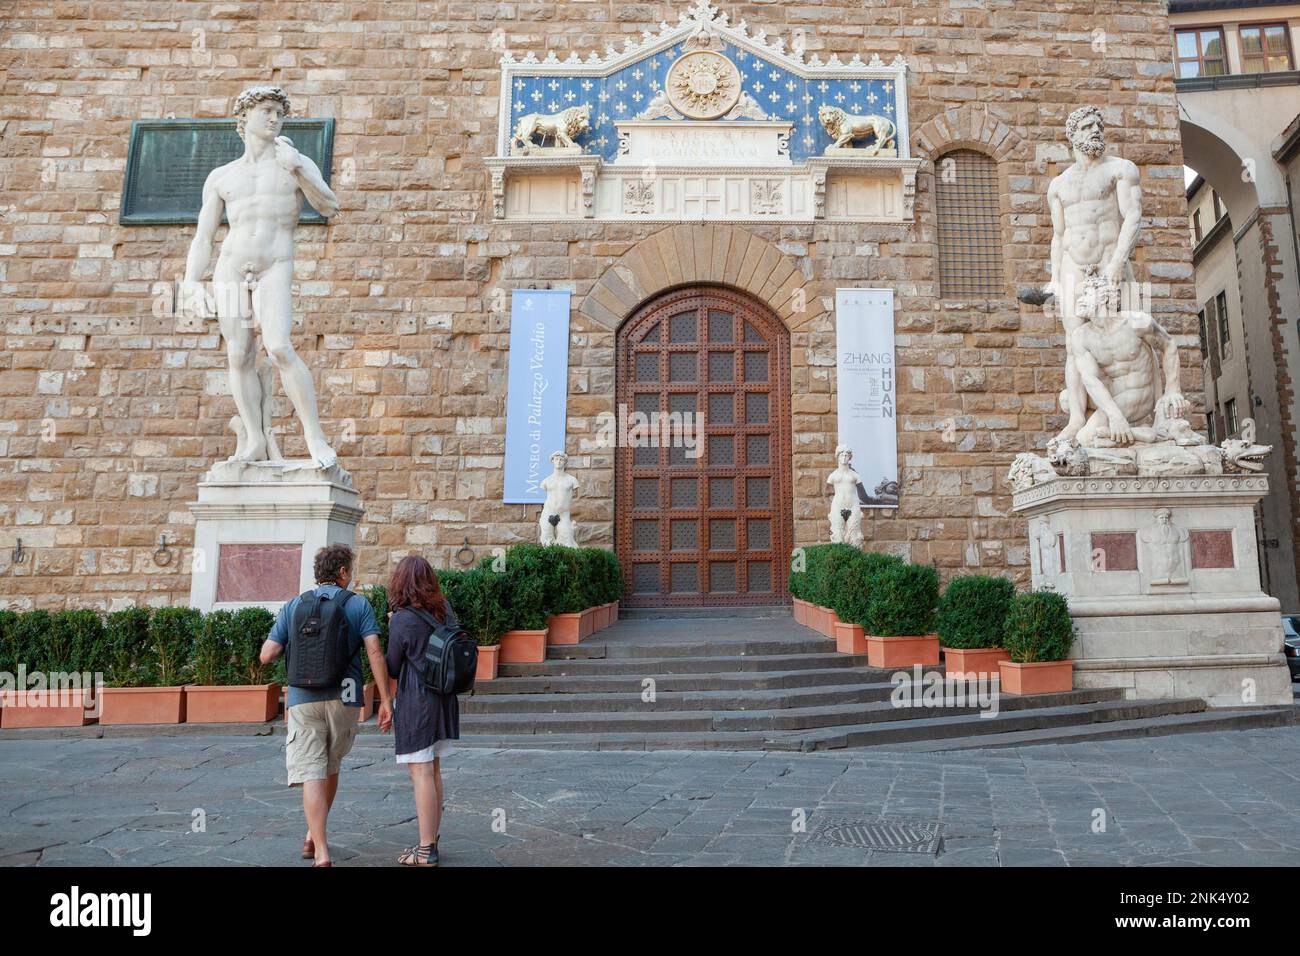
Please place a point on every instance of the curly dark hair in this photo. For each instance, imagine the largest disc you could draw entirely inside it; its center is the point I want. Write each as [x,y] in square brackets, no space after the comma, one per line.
[330,560]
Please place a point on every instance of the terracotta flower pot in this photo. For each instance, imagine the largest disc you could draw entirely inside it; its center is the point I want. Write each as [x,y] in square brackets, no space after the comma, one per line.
[369,694]
[34,708]
[586,623]
[850,638]
[829,620]
[800,611]
[1043,677]
[487,662]
[607,613]
[560,628]
[524,647]
[143,705]
[894,652]
[979,661]
[613,612]
[240,704]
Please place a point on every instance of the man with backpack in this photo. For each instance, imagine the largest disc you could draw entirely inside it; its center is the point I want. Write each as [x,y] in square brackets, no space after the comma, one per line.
[321,632]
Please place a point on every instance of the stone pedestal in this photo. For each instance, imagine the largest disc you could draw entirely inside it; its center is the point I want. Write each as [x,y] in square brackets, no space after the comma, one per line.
[258,526]
[1166,605]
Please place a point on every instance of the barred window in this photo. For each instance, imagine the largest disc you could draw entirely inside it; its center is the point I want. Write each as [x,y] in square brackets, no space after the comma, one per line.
[966,195]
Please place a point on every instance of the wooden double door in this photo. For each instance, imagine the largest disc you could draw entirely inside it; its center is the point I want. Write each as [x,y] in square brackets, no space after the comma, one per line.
[704,502]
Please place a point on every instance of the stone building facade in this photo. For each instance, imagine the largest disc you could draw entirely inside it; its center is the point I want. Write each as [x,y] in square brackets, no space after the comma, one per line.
[111,408]
[1239,96]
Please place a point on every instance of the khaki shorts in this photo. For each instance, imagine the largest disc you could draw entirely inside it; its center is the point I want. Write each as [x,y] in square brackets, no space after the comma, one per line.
[321,734]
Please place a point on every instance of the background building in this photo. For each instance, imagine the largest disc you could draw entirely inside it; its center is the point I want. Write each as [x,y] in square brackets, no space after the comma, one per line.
[1239,96]
[110,411]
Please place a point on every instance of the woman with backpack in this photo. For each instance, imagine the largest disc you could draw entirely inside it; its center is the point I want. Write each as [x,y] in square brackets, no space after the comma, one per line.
[425,723]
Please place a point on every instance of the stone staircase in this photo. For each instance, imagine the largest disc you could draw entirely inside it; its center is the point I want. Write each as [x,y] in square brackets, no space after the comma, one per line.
[757,681]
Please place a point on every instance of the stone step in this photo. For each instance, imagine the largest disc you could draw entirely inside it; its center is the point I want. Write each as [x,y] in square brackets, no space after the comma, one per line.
[881,734]
[630,684]
[645,718]
[628,698]
[655,666]
[1007,721]
[705,613]
[639,650]
[1201,722]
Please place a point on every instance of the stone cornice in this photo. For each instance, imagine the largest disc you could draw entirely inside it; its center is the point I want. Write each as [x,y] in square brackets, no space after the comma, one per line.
[1101,491]
[704,17]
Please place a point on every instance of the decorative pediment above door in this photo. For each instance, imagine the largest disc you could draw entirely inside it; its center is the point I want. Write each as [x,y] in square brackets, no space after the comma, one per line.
[703,121]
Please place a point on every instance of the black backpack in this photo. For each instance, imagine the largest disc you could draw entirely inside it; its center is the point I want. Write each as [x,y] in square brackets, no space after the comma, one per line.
[321,647]
[450,657]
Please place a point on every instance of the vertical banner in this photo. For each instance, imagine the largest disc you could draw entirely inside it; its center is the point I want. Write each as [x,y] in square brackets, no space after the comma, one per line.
[866,390]
[538,390]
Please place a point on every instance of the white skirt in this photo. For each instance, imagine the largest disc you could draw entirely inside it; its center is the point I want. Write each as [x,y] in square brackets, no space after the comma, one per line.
[439,749]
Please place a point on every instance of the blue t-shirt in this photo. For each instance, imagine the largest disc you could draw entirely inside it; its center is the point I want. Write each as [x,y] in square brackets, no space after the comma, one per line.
[361,619]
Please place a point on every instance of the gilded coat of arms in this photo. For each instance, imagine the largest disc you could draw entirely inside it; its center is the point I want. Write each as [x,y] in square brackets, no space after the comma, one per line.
[703,85]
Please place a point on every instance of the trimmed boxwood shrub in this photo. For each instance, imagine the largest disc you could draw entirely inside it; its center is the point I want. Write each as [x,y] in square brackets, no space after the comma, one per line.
[820,568]
[26,638]
[973,611]
[249,627]
[211,659]
[1038,628]
[377,595]
[857,577]
[527,586]
[803,566]
[566,592]
[478,598]
[902,601]
[9,653]
[74,642]
[126,640]
[171,637]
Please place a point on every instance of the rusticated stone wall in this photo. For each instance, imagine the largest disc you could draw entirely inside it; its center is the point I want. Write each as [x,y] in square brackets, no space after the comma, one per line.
[110,409]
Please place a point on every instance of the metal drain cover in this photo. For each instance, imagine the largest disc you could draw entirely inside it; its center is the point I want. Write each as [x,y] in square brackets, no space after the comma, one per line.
[891,836]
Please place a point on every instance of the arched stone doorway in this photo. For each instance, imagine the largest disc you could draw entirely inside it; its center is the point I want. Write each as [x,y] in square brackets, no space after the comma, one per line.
[703,518]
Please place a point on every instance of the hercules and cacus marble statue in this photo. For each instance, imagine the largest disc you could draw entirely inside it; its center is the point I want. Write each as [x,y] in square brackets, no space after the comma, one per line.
[1123,395]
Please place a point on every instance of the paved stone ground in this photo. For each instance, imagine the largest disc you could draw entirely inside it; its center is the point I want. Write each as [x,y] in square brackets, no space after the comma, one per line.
[1217,798]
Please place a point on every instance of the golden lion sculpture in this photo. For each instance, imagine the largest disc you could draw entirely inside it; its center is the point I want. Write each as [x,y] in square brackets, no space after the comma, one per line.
[563,127]
[844,127]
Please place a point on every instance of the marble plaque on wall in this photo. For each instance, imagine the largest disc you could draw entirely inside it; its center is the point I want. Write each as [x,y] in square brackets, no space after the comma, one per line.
[169,160]
[1115,551]
[1212,549]
[258,572]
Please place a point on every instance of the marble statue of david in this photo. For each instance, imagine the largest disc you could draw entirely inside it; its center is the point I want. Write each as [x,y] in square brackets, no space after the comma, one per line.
[261,194]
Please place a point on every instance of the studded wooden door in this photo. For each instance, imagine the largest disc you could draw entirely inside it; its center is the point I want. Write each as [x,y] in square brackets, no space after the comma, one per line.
[709,524]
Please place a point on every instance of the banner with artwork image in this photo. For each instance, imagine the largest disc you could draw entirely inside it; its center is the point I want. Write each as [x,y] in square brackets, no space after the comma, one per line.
[866,389]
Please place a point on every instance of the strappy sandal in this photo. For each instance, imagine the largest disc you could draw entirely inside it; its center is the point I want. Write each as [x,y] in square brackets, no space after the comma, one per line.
[422,855]
[328,863]
[308,849]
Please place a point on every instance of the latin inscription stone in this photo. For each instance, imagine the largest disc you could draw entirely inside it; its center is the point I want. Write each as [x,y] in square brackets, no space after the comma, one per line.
[1115,551]
[168,161]
[1212,549]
